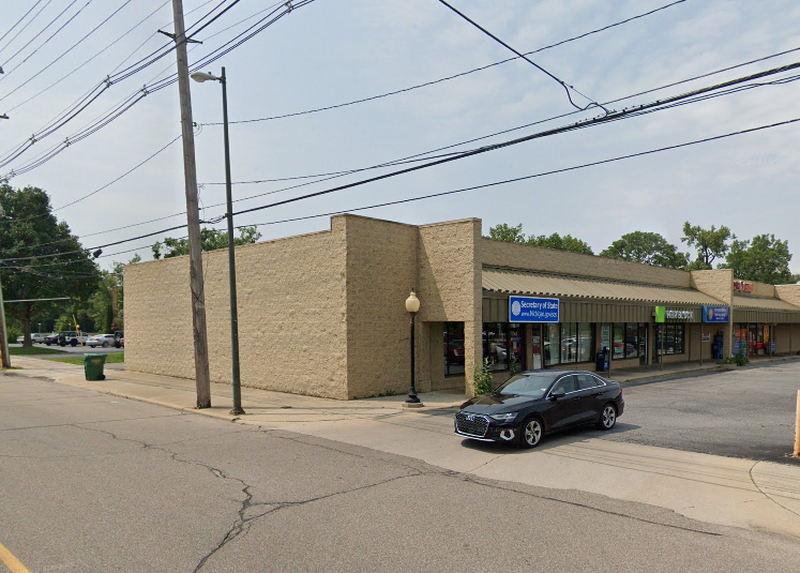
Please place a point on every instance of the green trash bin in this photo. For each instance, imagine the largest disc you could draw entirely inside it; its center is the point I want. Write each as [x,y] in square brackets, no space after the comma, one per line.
[93,366]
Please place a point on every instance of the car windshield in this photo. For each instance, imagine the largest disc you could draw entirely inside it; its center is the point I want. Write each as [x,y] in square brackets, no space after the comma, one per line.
[534,384]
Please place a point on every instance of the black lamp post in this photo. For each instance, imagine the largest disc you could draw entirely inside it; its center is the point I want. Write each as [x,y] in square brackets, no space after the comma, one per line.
[237,409]
[412,306]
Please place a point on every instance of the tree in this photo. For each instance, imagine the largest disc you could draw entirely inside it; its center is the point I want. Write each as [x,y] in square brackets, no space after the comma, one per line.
[711,244]
[764,259]
[565,243]
[106,305]
[648,248]
[210,239]
[40,259]
[504,232]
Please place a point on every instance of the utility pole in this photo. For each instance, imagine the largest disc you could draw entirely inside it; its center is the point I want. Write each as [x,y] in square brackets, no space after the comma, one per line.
[202,377]
[6,359]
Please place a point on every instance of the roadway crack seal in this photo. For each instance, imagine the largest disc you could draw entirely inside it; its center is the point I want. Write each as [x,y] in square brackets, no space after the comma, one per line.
[765,494]
[494,485]
[430,469]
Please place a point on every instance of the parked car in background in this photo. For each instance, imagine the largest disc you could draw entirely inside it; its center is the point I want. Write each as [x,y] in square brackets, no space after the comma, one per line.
[38,337]
[531,404]
[71,338]
[104,340]
[51,338]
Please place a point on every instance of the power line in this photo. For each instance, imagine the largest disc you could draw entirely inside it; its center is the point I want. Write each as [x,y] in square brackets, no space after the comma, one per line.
[54,34]
[26,25]
[444,193]
[535,175]
[68,50]
[454,76]
[681,99]
[131,100]
[519,54]
[426,155]
[578,125]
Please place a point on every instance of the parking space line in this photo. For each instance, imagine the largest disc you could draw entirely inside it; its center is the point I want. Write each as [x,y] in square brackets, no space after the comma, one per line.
[13,564]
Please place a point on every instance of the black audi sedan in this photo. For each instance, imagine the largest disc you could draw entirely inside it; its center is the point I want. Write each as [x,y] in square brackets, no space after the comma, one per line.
[531,404]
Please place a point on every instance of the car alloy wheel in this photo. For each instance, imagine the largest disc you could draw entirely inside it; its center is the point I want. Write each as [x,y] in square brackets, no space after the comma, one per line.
[608,417]
[531,433]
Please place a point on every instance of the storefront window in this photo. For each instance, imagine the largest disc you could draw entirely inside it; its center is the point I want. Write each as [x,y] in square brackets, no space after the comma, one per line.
[753,339]
[453,348]
[619,341]
[585,338]
[629,338]
[552,341]
[674,338]
[516,338]
[495,344]
[568,343]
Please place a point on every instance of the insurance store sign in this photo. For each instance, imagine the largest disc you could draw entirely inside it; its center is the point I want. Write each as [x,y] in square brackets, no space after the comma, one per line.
[716,313]
[533,309]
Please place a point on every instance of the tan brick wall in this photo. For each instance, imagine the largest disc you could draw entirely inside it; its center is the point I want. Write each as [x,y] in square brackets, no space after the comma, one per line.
[717,283]
[789,293]
[514,255]
[449,281]
[381,271]
[292,329]
[158,318]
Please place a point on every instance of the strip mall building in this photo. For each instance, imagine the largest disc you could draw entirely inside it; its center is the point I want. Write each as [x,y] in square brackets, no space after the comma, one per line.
[323,314]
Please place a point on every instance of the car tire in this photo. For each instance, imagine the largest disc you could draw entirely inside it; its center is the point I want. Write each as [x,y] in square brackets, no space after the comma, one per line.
[608,417]
[73,342]
[105,344]
[531,432]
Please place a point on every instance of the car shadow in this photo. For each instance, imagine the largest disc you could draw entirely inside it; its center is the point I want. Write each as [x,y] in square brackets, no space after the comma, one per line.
[563,438]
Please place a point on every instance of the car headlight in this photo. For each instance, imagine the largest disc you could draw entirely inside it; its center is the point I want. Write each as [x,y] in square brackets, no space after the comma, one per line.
[505,417]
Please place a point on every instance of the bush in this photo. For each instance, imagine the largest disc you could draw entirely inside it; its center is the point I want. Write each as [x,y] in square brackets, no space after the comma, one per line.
[482,378]
[739,359]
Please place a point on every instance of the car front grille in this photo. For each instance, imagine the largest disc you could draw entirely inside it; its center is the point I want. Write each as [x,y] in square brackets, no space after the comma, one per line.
[472,424]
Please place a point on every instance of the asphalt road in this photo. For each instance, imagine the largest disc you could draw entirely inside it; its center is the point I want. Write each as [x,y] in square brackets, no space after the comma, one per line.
[92,482]
[748,413]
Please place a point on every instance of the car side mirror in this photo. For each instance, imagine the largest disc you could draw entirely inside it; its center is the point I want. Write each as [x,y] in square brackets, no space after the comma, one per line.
[556,395]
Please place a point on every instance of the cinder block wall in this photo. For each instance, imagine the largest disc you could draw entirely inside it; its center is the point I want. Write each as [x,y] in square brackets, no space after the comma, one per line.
[450,288]
[292,329]
[158,318]
[381,270]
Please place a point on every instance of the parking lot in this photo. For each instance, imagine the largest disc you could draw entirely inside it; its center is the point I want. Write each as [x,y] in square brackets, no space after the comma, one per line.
[748,412]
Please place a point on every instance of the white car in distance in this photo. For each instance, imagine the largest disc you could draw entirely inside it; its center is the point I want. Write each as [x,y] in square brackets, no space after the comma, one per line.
[103,340]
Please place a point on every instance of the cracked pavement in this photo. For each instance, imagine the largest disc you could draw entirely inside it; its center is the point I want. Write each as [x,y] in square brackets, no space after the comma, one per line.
[97,483]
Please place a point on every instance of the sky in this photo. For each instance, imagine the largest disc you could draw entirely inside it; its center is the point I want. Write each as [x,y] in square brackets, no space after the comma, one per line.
[125,180]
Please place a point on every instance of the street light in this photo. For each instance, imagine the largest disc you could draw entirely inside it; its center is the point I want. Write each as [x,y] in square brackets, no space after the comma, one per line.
[412,306]
[237,409]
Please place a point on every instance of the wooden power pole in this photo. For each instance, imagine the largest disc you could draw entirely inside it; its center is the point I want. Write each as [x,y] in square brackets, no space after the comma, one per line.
[202,376]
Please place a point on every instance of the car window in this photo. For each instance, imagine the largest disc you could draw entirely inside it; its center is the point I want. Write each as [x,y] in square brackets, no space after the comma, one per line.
[533,385]
[565,385]
[587,381]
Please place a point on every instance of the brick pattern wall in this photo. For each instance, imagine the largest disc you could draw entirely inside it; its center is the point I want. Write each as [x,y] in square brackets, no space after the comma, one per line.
[292,329]
[381,271]
[450,286]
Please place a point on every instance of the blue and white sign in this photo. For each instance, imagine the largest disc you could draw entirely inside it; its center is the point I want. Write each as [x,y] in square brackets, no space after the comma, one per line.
[716,313]
[530,309]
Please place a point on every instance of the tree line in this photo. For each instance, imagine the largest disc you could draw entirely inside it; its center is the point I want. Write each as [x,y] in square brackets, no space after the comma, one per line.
[763,258]
[54,281]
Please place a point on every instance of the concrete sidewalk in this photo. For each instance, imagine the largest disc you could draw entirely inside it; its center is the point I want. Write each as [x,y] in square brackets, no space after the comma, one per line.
[736,492]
